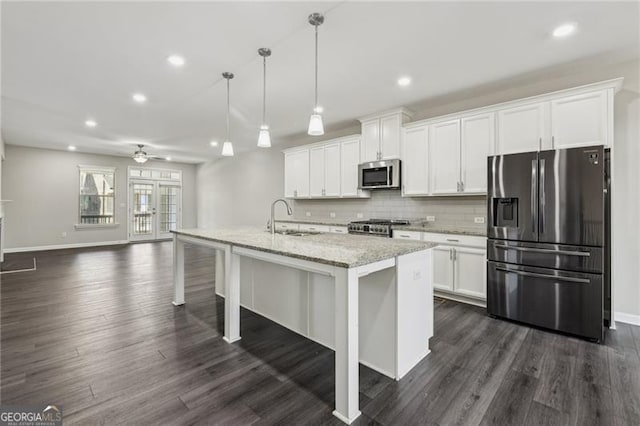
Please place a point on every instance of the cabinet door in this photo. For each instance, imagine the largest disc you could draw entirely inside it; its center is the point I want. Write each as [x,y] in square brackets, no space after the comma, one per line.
[390,136]
[332,170]
[444,157]
[443,268]
[289,175]
[415,161]
[370,140]
[316,172]
[478,142]
[301,173]
[470,272]
[579,120]
[522,129]
[349,159]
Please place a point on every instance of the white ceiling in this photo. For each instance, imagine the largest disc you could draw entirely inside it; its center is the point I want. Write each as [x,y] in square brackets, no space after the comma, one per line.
[65,62]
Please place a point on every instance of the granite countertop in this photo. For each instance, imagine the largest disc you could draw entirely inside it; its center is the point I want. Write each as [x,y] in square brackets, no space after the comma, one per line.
[419,227]
[342,250]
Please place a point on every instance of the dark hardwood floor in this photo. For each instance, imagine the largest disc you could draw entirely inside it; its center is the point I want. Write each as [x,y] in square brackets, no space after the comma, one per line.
[94,330]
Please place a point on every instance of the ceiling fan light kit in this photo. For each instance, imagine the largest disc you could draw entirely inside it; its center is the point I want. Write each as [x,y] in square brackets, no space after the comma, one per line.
[140,156]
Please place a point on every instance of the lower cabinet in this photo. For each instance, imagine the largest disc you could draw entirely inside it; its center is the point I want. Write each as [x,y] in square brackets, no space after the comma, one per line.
[460,270]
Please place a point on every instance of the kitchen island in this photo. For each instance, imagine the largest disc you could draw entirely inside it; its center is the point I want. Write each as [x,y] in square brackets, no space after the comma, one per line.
[381,305]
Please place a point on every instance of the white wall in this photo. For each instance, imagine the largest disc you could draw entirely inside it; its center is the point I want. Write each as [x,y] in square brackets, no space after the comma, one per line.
[239,190]
[43,185]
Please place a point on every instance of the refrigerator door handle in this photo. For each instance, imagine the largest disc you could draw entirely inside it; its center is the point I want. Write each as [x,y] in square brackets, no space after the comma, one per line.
[551,277]
[534,194]
[543,197]
[537,250]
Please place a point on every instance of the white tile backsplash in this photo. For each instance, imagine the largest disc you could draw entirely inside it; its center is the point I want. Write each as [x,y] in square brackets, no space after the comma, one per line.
[458,212]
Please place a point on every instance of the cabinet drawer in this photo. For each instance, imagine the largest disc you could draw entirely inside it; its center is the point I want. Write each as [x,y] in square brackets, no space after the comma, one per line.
[455,240]
[407,235]
[313,228]
[286,226]
[339,230]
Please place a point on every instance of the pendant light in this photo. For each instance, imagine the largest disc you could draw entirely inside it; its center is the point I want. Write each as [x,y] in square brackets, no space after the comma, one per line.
[264,138]
[227,146]
[316,128]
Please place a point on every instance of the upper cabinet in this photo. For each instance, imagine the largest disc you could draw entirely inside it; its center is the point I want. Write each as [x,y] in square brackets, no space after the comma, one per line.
[477,143]
[580,120]
[522,128]
[444,152]
[324,170]
[415,160]
[381,135]
[296,173]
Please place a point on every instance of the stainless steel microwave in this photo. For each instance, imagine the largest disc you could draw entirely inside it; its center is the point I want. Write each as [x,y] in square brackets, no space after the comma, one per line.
[379,175]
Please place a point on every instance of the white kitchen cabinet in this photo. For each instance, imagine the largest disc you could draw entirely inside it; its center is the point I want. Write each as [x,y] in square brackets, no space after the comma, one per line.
[339,230]
[296,174]
[443,268]
[349,160]
[312,227]
[477,143]
[444,157]
[316,172]
[286,226]
[324,171]
[407,235]
[332,169]
[470,273]
[415,161]
[381,135]
[579,120]
[523,128]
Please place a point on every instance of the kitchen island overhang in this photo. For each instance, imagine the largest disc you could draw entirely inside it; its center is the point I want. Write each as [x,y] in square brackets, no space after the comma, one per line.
[390,334]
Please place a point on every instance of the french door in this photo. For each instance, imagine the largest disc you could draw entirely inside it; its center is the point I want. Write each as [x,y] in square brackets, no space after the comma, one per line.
[154,209]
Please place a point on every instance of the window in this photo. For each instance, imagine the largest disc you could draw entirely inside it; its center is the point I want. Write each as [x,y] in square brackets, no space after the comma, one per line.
[97,196]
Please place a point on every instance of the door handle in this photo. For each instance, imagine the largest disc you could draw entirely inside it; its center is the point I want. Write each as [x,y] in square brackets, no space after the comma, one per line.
[534,193]
[549,251]
[543,197]
[545,276]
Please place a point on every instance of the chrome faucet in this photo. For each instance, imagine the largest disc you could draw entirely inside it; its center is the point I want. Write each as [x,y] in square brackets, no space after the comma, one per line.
[272,223]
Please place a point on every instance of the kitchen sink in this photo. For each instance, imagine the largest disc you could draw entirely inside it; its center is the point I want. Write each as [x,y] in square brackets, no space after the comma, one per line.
[295,233]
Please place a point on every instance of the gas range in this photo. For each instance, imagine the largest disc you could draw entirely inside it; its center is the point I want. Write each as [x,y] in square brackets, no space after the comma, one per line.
[378,227]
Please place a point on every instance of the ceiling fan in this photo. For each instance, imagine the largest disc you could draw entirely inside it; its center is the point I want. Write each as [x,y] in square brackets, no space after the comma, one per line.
[140,156]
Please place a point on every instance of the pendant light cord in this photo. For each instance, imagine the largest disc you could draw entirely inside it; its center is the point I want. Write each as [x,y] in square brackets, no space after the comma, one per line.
[316,105]
[228,133]
[264,90]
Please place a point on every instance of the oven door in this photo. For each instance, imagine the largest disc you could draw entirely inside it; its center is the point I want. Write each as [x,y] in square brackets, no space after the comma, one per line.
[571,302]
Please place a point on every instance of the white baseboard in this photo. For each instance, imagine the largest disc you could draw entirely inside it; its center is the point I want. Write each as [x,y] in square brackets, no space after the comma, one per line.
[626,318]
[64,246]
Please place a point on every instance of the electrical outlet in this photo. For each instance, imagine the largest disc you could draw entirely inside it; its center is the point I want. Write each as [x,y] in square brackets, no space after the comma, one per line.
[332,214]
[359,215]
[478,219]
[308,214]
[431,218]
[64,235]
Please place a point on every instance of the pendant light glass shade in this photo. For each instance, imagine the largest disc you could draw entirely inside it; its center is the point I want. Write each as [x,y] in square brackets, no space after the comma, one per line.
[316,128]
[264,138]
[227,149]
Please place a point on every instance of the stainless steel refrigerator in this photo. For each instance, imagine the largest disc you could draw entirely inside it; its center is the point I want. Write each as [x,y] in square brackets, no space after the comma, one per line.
[548,247]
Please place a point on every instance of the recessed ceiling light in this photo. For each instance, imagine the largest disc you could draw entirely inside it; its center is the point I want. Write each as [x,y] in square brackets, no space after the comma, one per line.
[404,81]
[71,148]
[168,158]
[139,98]
[564,30]
[176,60]
[213,143]
[90,123]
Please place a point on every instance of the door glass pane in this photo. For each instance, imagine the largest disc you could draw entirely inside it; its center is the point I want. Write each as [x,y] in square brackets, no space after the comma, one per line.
[168,208]
[142,208]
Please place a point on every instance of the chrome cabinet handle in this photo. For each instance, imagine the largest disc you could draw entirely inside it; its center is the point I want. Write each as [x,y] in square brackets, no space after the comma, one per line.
[540,144]
[553,141]
[450,254]
[549,251]
[534,193]
[543,197]
[545,276]
[452,240]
